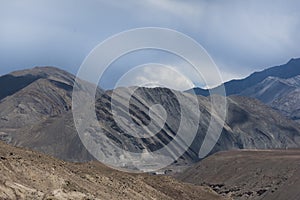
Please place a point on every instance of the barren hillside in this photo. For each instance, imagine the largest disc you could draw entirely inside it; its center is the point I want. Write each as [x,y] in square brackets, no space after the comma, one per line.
[29,175]
[249,174]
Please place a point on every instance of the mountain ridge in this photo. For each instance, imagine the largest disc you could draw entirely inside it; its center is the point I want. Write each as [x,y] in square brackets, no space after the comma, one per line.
[39,117]
[278,87]
[235,86]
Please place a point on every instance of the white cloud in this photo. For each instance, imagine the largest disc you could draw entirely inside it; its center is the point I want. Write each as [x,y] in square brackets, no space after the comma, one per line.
[241,36]
[155,75]
[179,8]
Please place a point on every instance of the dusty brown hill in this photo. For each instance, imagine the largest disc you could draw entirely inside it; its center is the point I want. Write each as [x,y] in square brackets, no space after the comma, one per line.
[246,174]
[26,174]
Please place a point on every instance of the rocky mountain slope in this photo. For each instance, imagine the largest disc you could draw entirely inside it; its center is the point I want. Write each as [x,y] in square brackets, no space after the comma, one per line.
[26,174]
[249,123]
[245,174]
[272,88]
[281,94]
[38,116]
[29,105]
[47,94]
[234,87]
[278,87]
[255,125]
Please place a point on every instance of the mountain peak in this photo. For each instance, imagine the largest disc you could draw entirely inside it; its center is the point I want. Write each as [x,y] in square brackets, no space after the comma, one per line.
[44,71]
[17,80]
[292,60]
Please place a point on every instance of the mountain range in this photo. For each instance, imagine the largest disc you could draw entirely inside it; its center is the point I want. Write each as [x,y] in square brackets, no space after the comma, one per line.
[277,86]
[36,113]
[255,157]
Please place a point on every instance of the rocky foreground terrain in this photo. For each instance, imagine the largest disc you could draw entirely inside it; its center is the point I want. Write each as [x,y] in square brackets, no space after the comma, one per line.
[25,174]
[249,174]
[238,175]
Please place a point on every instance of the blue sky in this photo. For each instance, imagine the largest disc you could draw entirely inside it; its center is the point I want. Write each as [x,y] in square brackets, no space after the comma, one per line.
[240,36]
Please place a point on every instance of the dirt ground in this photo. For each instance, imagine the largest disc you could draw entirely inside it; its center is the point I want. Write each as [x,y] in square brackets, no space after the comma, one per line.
[25,174]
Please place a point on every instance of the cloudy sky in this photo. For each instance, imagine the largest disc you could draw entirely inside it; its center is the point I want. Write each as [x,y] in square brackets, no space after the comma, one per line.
[240,36]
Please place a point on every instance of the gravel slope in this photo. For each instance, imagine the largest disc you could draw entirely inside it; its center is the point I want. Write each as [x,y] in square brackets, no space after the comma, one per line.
[249,174]
[26,174]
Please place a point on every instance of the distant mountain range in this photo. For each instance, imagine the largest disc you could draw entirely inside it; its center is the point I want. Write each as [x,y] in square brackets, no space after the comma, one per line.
[278,87]
[35,110]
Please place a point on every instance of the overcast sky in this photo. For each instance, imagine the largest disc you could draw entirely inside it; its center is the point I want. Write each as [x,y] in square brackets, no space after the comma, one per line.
[240,36]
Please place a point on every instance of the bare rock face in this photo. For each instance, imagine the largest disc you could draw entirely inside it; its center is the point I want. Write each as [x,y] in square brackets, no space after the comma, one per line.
[38,116]
[30,109]
[270,89]
[257,126]
[249,124]
[246,174]
[278,87]
[281,94]
[289,105]
[26,174]
[47,94]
